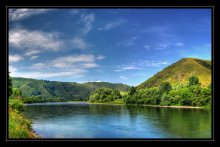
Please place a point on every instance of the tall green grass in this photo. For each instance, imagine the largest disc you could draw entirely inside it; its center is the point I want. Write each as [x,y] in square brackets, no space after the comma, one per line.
[18,126]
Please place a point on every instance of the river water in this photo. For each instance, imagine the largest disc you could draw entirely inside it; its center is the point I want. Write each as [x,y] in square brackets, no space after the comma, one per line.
[82,120]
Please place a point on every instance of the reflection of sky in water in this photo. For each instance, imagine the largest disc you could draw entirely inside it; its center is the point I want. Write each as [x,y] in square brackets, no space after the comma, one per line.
[105,121]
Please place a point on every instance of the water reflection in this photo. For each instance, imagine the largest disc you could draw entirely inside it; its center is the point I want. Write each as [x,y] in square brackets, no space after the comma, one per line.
[118,121]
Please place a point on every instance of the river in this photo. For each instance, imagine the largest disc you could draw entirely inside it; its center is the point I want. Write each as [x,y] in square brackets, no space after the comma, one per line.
[82,120]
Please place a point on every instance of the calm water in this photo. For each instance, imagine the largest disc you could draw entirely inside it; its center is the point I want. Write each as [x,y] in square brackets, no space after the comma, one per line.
[82,120]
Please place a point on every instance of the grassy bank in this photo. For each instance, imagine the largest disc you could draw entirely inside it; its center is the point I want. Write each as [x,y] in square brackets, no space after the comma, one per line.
[18,126]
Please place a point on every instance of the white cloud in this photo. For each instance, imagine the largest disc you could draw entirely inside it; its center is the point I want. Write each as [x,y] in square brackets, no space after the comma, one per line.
[15,58]
[12,69]
[20,14]
[179,44]
[139,65]
[88,20]
[31,52]
[162,46]
[38,66]
[156,64]
[100,57]
[131,68]
[123,77]
[75,61]
[25,39]
[76,58]
[112,25]
[118,70]
[79,43]
[89,65]
[42,75]
[34,57]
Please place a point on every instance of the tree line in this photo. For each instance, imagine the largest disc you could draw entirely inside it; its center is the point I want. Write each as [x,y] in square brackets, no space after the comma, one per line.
[190,94]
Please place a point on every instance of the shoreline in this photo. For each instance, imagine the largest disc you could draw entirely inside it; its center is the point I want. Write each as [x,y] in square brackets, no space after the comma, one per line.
[180,107]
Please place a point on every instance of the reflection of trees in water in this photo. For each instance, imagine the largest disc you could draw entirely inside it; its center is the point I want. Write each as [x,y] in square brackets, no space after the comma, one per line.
[186,122]
[180,122]
[106,109]
[51,111]
[148,114]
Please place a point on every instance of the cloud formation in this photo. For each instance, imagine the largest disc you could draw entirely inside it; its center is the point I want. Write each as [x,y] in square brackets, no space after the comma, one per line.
[73,65]
[123,77]
[88,20]
[42,75]
[79,43]
[20,14]
[112,25]
[32,40]
[139,65]
[15,58]
[75,61]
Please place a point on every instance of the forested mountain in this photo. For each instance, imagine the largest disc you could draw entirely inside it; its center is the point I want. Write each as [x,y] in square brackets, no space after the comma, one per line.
[66,90]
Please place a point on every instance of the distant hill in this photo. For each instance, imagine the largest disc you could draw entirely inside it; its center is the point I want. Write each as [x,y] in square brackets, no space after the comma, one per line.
[180,71]
[66,90]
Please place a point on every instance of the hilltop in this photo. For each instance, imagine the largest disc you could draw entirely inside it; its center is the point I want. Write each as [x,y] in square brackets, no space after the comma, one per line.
[180,71]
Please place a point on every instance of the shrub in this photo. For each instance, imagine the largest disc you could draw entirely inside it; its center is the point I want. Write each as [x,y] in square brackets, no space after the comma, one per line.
[16,104]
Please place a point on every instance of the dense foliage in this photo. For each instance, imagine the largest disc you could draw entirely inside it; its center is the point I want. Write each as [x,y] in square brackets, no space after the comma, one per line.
[37,99]
[18,125]
[104,95]
[180,72]
[190,94]
[44,89]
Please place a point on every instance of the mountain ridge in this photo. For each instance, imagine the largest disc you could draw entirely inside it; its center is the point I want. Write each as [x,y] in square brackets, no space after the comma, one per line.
[176,73]
[66,90]
[180,71]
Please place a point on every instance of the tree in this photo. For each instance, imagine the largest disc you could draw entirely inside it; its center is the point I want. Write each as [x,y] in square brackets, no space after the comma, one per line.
[9,86]
[193,80]
[104,95]
[165,87]
[132,90]
[16,92]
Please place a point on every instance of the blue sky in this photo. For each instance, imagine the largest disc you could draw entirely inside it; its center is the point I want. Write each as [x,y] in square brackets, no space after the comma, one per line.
[113,45]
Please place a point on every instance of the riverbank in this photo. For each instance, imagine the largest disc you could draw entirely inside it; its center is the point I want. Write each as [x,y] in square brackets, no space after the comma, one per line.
[19,127]
[121,103]
[182,107]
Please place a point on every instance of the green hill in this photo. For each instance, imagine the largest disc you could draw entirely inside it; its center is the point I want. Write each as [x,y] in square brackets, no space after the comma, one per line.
[66,90]
[180,71]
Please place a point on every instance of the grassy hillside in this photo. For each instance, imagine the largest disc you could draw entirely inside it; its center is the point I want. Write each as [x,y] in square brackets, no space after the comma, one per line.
[66,90]
[180,71]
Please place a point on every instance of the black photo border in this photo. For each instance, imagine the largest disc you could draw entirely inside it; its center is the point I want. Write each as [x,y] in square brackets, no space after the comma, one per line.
[107,4]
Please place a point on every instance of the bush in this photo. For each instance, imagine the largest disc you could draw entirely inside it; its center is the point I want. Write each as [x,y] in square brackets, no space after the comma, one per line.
[16,104]
[193,80]
[104,95]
